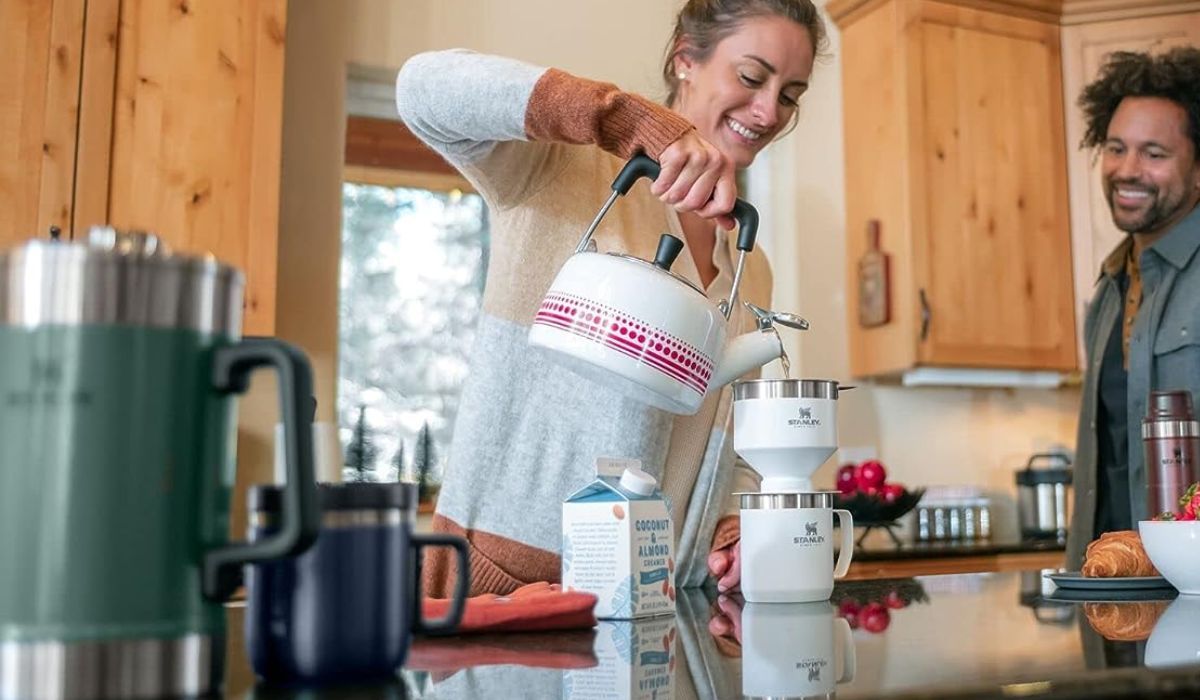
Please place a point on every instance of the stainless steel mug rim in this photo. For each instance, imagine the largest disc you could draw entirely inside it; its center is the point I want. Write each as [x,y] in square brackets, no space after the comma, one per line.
[785,389]
[757,500]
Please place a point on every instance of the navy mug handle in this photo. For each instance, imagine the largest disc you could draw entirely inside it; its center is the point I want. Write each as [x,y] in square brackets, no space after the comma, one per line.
[458,600]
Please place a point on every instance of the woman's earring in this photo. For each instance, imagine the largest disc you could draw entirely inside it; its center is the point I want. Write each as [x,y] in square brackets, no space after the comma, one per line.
[682,75]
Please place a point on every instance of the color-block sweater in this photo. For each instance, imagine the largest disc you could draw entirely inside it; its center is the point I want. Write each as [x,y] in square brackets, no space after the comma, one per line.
[542,147]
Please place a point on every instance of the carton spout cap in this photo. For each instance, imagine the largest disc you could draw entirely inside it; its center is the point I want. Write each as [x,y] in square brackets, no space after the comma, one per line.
[637,481]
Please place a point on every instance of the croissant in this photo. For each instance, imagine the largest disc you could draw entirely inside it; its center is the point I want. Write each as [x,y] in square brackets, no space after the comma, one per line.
[1124,622]
[1117,554]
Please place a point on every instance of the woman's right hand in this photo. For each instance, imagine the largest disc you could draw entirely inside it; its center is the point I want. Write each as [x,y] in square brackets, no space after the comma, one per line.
[696,177]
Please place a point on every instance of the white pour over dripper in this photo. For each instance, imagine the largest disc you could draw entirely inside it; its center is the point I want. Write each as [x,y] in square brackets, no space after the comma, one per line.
[785,429]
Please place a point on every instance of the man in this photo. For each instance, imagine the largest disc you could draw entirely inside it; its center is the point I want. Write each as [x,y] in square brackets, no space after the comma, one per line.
[1143,325]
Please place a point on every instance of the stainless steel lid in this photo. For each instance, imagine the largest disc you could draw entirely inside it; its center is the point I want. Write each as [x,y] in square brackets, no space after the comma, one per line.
[755,500]
[116,278]
[786,389]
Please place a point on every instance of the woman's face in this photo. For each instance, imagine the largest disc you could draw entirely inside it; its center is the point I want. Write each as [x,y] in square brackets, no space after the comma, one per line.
[747,91]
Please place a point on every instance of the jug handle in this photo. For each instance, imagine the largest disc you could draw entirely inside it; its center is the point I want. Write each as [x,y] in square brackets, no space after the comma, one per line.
[642,165]
[232,366]
[449,623]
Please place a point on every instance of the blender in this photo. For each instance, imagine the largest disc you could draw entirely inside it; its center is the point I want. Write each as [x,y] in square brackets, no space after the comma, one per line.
[785,429]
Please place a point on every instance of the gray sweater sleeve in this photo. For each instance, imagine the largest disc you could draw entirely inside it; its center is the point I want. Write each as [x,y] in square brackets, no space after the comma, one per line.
[463,103]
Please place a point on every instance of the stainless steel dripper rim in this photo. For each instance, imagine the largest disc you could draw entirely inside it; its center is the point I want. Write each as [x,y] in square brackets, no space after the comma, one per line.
[786,389]
[757,500]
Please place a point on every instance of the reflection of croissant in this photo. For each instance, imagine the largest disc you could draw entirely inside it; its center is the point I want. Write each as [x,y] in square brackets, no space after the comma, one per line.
[1124,622]
[1117,554]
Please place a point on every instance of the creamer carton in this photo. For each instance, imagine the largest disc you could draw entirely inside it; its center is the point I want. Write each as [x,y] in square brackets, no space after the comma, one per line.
[635,660]
[619,543]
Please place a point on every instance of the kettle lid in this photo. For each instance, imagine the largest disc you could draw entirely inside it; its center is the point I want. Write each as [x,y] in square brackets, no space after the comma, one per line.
[118,278]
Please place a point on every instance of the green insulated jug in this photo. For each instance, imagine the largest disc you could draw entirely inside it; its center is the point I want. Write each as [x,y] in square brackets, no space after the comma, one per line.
[119,364]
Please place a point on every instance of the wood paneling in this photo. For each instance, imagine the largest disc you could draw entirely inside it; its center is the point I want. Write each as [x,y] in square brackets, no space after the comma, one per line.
[875,96]
[954,143]
[904,568]
[93,157]
[40,47]
[196,133]
[388,144]
[994,259]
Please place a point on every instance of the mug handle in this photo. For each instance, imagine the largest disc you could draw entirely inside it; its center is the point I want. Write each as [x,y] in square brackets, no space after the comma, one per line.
[462,584]
[849,655]
[300,517]
[846,524]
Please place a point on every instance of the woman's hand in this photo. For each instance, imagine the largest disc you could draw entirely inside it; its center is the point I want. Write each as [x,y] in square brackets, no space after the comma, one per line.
[695,176]
[725,565]
[725,625]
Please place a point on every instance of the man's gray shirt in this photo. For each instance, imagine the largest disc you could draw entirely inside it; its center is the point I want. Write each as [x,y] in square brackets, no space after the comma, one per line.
[1164,353]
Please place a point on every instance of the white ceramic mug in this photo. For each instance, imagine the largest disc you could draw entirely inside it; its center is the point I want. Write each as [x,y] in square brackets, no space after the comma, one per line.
[795,650]
[787,546]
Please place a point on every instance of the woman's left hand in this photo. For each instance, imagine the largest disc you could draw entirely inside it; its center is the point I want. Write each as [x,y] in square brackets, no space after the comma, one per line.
[725,565]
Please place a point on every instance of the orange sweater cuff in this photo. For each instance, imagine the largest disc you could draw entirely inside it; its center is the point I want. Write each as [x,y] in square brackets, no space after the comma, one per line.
[729,531]
[568,109]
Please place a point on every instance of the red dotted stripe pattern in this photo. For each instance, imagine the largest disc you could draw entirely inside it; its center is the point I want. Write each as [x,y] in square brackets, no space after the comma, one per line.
[628,335]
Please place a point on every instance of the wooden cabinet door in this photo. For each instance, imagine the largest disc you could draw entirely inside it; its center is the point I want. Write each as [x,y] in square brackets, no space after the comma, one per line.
[40,47]
[991,239]
[1085,46]
[196,133]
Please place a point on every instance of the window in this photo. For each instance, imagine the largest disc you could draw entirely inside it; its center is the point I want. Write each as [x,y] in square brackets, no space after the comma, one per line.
[414,260]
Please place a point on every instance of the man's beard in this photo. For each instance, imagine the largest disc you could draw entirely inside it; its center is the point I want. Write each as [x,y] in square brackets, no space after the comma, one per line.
[1160,210]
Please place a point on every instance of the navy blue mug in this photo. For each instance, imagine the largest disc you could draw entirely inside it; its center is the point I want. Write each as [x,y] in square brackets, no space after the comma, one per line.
[348,607]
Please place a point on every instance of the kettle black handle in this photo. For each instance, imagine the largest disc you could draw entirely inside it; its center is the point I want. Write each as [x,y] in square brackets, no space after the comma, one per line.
[300,518]
[642,165]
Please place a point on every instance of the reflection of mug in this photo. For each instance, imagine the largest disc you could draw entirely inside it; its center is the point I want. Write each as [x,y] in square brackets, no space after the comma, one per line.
[347,608]
[792,650]
[1175,640]
[787,546]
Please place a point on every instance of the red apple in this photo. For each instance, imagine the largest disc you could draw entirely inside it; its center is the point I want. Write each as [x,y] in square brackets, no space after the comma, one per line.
[871,473]
[870,491]
[894,601]
[875,617]
[849,611]
[892,492]
[847,479]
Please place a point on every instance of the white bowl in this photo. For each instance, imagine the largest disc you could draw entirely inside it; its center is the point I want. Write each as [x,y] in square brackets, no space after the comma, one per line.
[1174,549]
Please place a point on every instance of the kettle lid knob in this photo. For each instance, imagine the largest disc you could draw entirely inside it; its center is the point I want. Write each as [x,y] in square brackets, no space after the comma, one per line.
[668,249]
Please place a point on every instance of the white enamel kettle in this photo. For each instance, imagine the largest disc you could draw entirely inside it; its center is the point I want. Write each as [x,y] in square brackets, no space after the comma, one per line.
[633,323]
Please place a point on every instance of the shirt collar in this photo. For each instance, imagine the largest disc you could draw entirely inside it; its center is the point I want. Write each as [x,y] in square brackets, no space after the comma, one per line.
[1177,247]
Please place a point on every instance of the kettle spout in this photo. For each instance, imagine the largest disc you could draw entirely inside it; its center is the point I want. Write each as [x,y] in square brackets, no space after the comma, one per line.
[744,353]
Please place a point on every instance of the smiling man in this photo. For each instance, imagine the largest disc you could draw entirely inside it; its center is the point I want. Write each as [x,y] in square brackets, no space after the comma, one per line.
[1143,325]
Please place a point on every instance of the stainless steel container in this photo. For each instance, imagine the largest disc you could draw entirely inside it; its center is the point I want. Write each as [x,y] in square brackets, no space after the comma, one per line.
[1043,496]
[966,520]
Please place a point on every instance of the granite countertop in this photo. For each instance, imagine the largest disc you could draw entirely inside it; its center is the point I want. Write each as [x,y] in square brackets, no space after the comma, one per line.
[954,636]
[879,549]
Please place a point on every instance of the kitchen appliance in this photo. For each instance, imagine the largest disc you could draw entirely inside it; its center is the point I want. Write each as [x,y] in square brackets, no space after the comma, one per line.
[1043,496]
[1171,439]
[346,608]
[635,324]
[119,363]
[1036,588]
[959,513]
[785,429]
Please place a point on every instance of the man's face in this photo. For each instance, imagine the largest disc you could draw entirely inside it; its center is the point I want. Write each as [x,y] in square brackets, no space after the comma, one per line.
[1149,166]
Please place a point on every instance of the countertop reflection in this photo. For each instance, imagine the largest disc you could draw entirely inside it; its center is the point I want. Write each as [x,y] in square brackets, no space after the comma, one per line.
[953,636]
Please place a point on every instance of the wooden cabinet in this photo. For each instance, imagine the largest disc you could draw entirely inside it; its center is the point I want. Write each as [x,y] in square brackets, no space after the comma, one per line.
[1086,41]
[954,133]
[160,115]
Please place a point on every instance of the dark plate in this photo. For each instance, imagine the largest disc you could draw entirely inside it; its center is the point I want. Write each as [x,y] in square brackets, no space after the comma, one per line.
[1111,595]
[1076,581]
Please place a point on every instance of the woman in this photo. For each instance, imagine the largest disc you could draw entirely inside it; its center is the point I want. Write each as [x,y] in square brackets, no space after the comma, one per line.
[543,147]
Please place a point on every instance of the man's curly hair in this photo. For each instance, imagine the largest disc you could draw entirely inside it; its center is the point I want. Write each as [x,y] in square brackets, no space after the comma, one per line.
[1174,75]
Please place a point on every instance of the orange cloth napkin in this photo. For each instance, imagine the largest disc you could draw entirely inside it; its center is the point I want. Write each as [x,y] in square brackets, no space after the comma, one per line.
[533,607]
